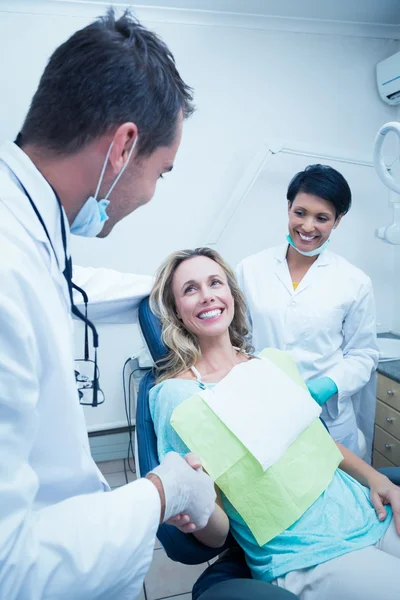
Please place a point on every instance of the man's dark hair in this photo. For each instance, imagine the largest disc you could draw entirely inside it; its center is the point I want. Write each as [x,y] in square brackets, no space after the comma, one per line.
[325,182]
[108,73]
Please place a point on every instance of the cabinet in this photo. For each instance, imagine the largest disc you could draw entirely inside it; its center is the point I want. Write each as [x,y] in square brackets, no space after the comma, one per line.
[387,424]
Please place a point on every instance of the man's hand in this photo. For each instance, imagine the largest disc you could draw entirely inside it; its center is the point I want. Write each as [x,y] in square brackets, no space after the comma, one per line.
[182,522]
[157,482]
[189,493]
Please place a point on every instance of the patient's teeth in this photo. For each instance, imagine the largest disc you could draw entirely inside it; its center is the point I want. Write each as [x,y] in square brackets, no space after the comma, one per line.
[210,314]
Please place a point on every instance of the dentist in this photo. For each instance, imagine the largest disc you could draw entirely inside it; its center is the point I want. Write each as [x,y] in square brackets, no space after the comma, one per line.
[104,125]
[315,304]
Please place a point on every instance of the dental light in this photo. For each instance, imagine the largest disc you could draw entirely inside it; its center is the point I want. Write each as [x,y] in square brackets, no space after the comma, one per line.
[390,233]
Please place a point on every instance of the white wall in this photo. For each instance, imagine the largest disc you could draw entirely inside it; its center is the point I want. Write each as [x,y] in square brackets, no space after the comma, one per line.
[396,278]
[309,89]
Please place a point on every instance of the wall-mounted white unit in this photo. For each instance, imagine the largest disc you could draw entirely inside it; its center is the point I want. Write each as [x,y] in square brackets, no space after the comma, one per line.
[388,79]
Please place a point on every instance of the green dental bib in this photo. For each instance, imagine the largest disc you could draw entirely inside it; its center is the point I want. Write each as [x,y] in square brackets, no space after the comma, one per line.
[268,501]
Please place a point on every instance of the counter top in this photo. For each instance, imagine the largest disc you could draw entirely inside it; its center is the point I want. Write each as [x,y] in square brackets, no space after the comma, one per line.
[390,368]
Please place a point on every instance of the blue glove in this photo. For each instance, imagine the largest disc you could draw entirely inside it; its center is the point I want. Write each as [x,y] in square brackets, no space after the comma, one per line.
[322,389]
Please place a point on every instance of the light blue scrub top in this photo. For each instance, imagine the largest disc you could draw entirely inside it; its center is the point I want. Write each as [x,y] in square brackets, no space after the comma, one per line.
[341,520]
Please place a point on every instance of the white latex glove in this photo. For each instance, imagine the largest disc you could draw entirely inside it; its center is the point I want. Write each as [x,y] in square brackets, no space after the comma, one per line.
[187,491]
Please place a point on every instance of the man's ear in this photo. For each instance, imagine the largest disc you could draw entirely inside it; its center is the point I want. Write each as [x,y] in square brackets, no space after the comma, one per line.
[124,137]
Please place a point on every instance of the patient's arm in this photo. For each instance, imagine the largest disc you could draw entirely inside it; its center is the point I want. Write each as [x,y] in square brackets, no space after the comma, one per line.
[382,490]
[215,532]
[358,468]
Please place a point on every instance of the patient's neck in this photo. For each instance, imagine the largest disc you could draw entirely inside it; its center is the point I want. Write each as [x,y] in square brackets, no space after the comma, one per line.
[217,355]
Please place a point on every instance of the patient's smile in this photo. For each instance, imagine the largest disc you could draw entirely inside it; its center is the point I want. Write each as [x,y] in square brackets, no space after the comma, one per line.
[210,314]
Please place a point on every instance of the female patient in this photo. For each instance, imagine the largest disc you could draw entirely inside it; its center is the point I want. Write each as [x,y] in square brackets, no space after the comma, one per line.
[346,544]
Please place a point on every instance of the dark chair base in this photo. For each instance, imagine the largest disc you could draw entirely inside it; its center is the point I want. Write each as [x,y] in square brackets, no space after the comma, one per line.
[230,579]
[246,589]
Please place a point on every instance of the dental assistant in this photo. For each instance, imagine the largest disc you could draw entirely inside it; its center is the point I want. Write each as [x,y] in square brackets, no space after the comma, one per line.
[90,152]
[312,302]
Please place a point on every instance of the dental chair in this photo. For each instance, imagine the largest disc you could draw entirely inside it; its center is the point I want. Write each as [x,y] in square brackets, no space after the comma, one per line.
[229,577]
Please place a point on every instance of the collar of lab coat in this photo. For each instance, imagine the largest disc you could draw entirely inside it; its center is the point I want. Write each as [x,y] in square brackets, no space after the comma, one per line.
[323,259]
[21,168]
[282,270]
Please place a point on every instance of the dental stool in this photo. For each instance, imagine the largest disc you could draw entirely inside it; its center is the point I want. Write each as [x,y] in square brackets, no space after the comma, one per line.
[229,577]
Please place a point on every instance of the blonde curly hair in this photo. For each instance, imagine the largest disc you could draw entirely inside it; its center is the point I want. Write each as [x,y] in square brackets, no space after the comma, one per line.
[184,348]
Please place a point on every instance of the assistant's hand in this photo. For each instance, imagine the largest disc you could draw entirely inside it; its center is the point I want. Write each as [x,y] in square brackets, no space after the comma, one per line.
[322,389]
[384,492]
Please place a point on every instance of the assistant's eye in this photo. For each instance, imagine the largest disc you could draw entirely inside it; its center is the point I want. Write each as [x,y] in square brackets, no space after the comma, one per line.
[216,282]
[190,288]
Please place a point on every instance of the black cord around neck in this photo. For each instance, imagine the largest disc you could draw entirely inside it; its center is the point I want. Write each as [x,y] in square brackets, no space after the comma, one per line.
[68,276]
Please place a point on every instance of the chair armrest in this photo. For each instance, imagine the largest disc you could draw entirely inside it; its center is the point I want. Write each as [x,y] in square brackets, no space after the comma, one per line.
[392,472]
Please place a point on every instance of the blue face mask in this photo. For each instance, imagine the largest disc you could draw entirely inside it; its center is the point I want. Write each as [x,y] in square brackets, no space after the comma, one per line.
[91,218]
[314,252]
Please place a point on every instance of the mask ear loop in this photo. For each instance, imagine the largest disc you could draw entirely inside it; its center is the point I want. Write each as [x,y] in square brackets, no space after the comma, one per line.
[121,171]
[103,171]
[119,174]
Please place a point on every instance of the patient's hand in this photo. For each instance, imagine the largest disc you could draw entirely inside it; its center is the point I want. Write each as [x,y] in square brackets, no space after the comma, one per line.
[193,461]
[182,522]
[383,491]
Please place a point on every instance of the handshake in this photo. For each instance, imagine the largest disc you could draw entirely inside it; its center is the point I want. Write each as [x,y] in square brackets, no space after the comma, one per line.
[187,494]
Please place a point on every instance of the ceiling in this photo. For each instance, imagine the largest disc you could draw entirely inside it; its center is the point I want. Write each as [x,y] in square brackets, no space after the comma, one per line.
[384,12]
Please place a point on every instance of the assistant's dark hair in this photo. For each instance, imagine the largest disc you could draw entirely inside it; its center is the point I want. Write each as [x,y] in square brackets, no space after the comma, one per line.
[322,181]
[108,73]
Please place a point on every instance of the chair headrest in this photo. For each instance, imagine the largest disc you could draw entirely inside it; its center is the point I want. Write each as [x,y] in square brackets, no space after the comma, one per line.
[151,330]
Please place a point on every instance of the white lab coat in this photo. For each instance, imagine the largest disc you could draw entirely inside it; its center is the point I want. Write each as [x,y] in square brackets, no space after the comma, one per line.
[63,533]
[327,324]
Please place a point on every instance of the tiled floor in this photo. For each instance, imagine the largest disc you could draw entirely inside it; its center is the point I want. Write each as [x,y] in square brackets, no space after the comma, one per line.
[165,578]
